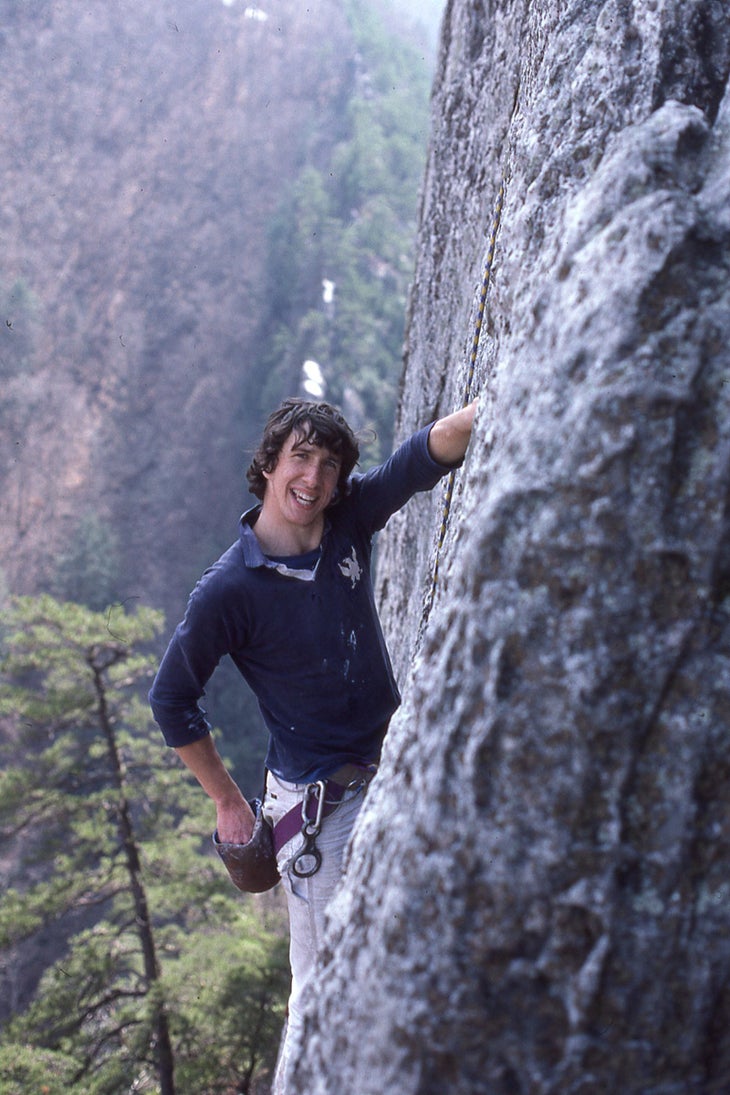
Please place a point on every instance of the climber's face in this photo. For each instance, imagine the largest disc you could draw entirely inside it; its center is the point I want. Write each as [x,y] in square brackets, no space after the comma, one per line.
[301,485]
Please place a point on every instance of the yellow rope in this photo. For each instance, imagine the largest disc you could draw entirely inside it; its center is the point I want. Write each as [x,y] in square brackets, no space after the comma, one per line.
[449,491]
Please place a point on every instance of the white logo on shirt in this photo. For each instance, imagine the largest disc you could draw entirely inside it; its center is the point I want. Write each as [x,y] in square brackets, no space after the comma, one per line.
[351,568]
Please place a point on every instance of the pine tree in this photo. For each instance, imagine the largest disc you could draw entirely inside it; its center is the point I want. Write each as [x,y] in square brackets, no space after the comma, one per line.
[66,804]
[106,833]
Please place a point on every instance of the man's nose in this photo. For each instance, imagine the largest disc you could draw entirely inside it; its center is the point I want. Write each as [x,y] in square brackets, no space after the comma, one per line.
[313,474]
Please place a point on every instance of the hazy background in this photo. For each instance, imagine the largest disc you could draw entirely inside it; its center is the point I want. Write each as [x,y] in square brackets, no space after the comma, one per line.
[196,199]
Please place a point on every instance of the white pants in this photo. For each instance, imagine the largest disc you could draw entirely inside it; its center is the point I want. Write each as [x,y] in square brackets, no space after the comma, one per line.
[307,900]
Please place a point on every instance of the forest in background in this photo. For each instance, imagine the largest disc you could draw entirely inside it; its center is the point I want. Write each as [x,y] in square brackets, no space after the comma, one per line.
[195,203]
[197,200]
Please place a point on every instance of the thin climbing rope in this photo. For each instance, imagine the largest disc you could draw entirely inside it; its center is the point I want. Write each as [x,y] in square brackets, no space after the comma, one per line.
[449,491]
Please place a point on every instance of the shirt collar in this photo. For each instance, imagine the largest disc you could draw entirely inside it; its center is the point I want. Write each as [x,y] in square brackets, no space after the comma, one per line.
[253,556]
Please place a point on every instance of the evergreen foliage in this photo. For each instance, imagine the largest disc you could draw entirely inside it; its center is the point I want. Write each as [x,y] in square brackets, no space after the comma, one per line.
[28,1068]
[88,571]
[165,969]
[351,221]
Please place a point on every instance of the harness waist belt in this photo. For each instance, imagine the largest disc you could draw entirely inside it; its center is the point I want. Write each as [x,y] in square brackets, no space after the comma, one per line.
[334,789]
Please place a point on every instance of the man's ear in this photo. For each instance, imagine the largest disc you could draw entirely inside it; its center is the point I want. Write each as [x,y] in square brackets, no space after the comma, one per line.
[268,471]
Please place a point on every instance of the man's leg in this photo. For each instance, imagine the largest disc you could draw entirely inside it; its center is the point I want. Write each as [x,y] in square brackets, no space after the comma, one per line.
[307,900]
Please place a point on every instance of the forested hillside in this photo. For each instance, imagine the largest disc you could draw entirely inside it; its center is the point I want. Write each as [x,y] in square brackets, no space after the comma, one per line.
[196,198]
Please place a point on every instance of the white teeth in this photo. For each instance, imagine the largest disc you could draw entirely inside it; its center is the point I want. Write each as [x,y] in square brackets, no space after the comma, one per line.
[305,499]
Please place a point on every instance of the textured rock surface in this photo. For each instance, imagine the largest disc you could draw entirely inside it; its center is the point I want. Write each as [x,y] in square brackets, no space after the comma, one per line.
[538,896]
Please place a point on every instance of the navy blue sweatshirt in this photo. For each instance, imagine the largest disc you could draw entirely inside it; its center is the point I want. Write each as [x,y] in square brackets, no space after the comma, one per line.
[307,640]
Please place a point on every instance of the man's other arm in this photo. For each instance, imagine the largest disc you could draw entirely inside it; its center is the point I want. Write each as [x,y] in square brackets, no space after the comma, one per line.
[234,816]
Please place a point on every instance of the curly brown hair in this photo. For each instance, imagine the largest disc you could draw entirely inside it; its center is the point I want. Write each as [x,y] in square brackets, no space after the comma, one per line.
[321,424]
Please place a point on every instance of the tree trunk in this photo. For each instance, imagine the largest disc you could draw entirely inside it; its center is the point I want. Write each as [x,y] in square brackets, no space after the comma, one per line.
[162,1042]
[537,898]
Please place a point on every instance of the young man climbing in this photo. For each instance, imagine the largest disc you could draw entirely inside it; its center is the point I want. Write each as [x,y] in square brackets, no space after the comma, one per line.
[292,603]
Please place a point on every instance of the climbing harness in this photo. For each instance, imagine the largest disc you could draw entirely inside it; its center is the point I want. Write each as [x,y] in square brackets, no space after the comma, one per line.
[449,489]
[321,798]
[252,866]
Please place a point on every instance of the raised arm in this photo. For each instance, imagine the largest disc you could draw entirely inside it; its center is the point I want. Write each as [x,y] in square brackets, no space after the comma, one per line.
[449,437]
[234,817]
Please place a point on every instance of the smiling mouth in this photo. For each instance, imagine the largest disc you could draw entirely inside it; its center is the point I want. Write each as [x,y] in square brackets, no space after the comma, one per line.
[304,499]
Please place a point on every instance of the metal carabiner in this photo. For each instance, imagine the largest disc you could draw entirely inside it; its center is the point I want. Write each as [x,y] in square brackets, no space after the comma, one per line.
[310,831]
[310,828]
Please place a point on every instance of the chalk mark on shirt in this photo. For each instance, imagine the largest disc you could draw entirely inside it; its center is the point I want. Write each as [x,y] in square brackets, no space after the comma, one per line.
[350,568]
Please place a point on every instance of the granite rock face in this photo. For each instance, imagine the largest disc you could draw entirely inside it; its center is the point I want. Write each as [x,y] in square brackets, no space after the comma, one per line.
[538,893]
